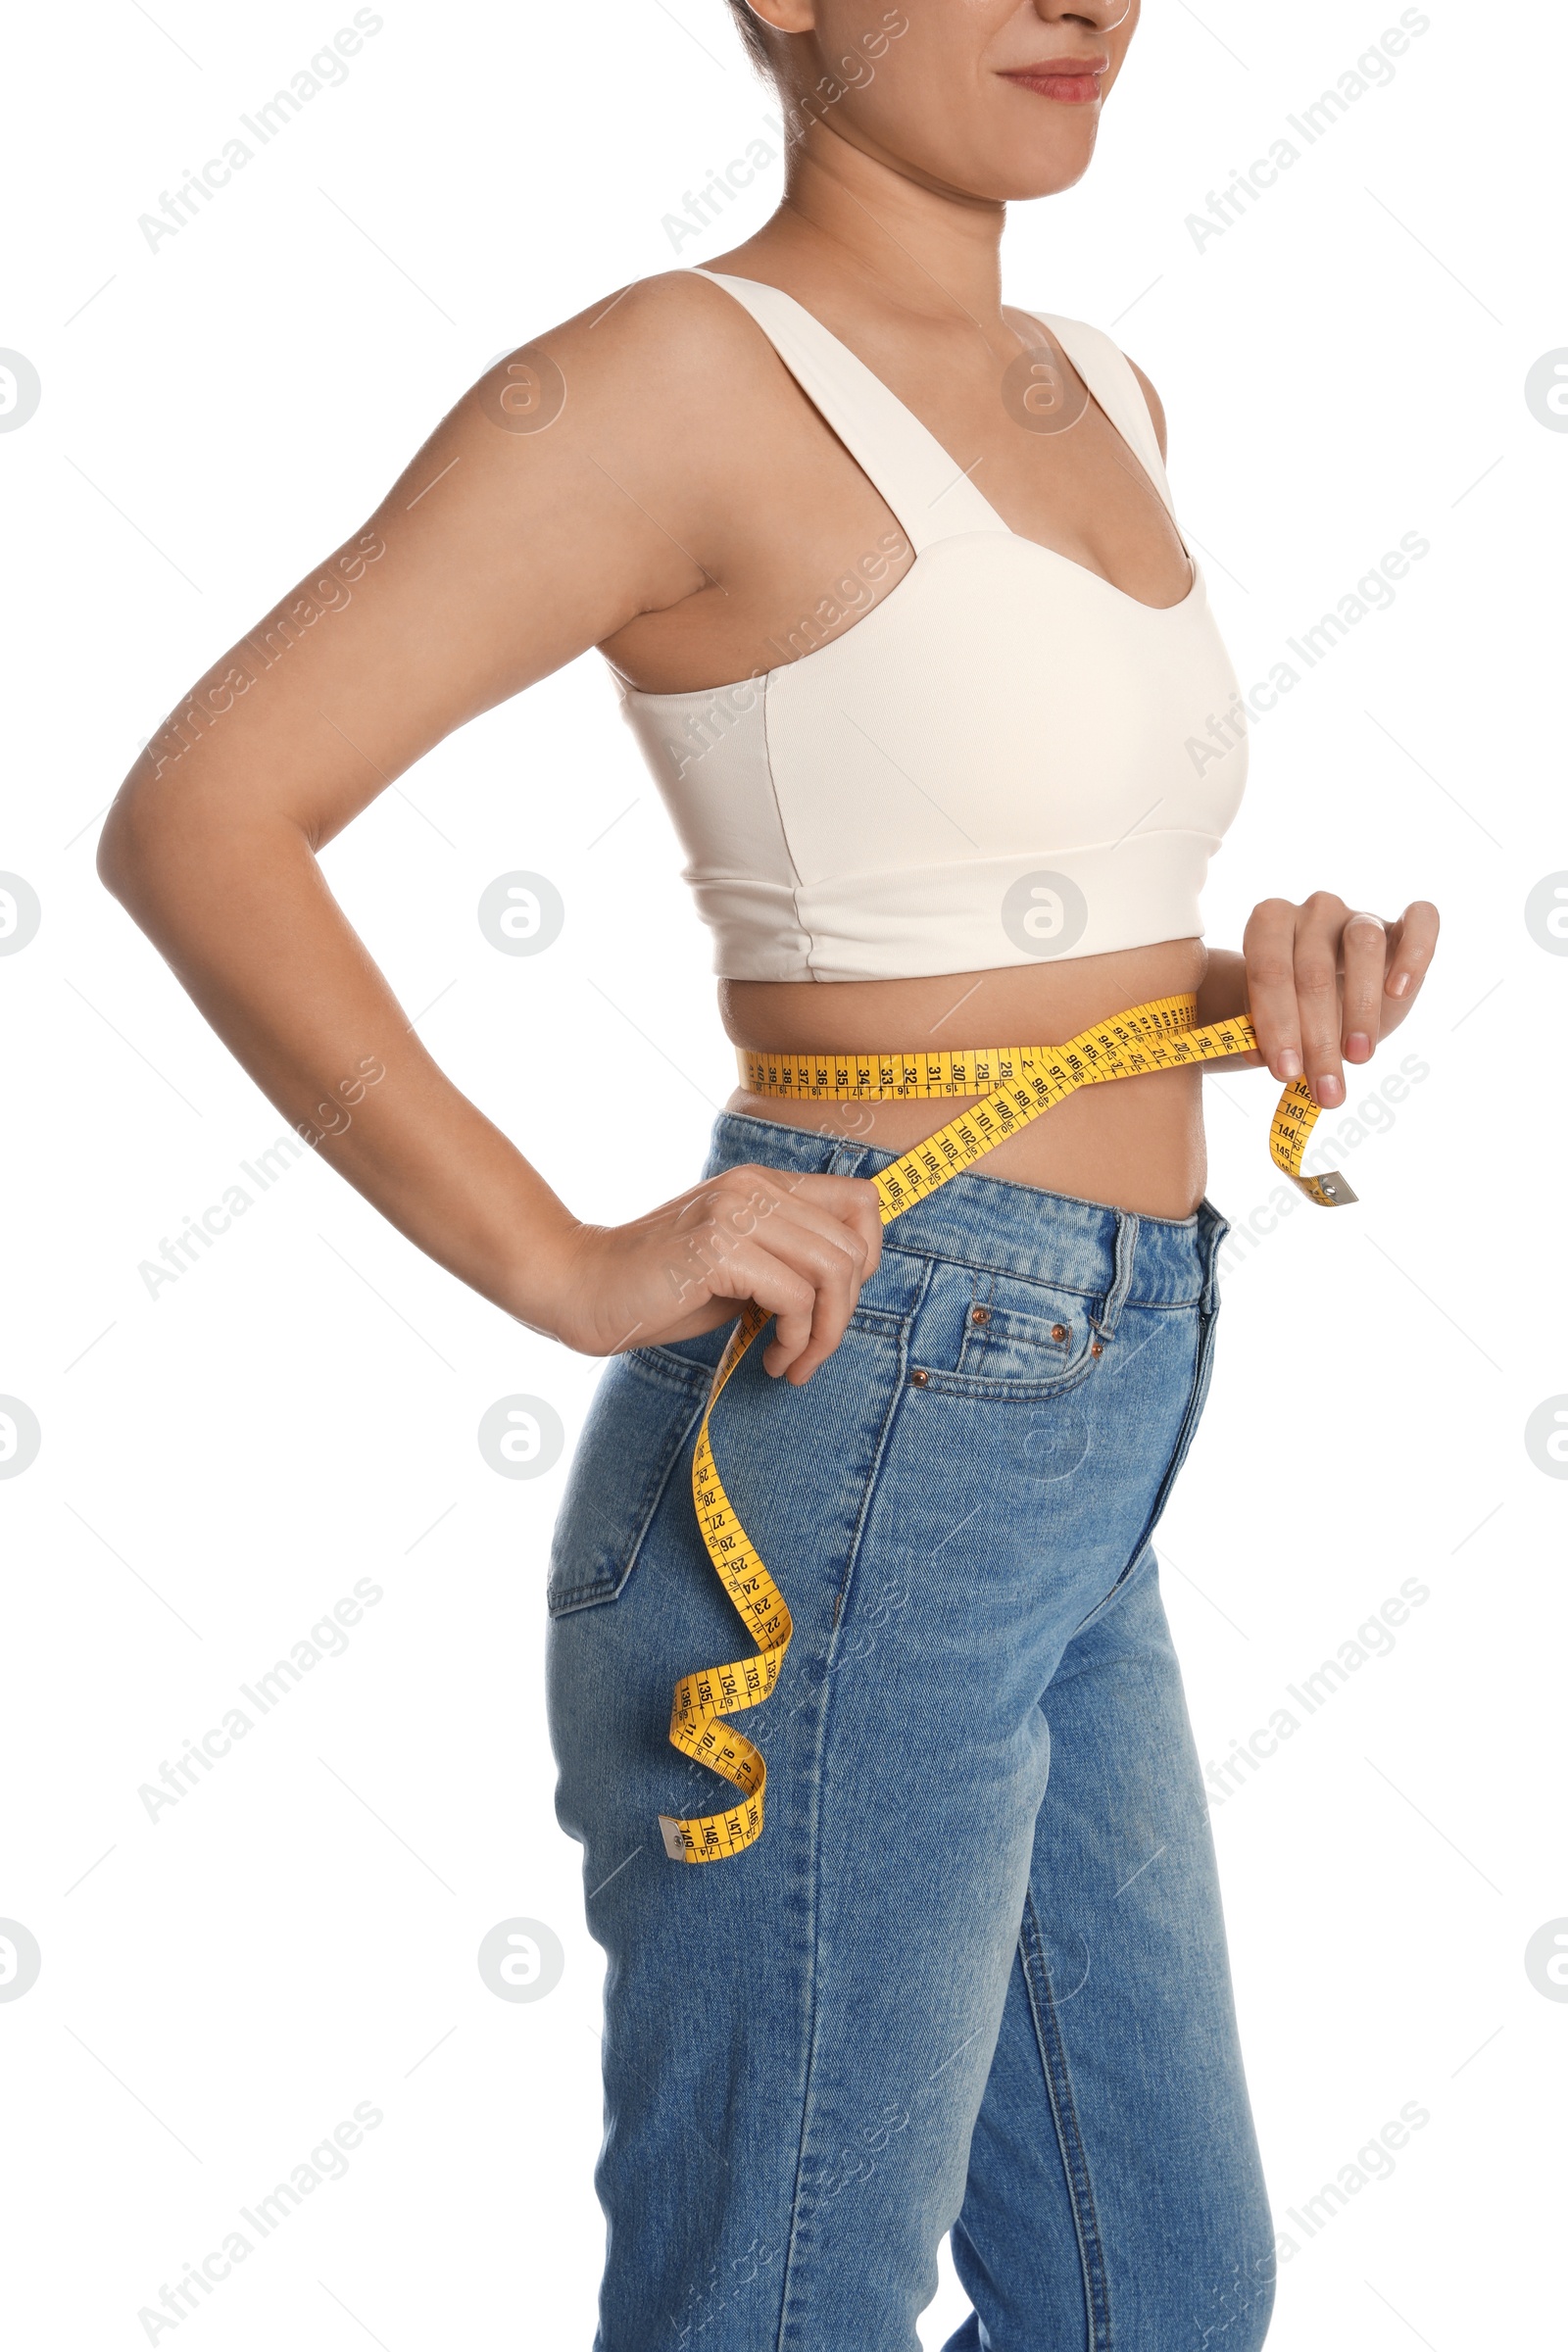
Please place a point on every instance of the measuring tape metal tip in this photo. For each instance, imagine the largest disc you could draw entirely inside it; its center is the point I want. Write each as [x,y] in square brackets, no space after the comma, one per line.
[1330,1190]
[673,1837]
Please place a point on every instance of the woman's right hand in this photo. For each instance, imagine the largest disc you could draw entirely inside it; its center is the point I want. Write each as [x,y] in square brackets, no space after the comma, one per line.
[800,1245]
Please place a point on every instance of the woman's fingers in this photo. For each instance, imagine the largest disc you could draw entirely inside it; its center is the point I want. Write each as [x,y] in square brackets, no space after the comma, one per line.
[809,1286]
[1412,940]
[1268,950]
[800,1246]
[806,1302]
[1319,926]
[837,1253]
[851,1201]
[1363,960]
[1320,978]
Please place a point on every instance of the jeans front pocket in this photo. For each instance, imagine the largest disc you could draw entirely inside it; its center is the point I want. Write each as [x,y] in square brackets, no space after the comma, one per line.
[645,1409]
[1000,1337]
[1038,1341]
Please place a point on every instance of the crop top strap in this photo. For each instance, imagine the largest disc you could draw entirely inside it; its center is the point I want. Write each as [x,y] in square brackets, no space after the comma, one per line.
[1108,372]
[931,495]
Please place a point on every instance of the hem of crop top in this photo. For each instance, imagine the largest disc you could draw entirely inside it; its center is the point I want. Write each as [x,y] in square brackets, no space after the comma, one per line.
[843,927]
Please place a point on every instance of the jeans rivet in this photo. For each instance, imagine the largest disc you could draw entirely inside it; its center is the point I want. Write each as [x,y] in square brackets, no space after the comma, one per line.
[1096,1349]
[1058,1331]
[980,1314]
[918,1380]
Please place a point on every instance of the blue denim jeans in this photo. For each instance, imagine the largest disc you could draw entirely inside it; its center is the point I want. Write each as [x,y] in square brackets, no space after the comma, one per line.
[972,1977]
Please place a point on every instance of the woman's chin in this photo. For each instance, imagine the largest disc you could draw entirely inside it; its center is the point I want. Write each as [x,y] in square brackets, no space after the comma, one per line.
[1020,172]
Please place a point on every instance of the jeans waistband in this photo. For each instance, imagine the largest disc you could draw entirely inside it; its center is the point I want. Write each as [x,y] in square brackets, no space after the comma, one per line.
[1008,1228]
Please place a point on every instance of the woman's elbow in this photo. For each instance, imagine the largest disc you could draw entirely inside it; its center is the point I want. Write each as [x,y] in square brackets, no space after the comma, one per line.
[127,846]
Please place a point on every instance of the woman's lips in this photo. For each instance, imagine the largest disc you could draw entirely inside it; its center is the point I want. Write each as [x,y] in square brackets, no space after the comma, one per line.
[1068,85]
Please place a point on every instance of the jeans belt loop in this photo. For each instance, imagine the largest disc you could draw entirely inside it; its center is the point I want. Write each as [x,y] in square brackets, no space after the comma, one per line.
[1122,1282]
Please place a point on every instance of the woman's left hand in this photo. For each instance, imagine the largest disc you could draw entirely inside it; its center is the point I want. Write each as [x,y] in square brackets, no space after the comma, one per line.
[1323,982]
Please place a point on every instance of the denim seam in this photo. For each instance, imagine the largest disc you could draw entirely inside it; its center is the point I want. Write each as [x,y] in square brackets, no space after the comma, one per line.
[1218,1228]
[1012,1273]
[1178,1455]
[877,1318]
[978,1265]
[900,1381]
[1069,2135]
[565,1601]
[872,1480]
[666,1371]
[983,1387]
[1197,1398]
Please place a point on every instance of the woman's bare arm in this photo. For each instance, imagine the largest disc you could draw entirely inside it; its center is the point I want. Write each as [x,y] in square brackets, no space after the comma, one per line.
[499,556]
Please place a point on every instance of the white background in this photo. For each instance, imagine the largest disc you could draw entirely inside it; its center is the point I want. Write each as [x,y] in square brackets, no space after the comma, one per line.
[222,1462]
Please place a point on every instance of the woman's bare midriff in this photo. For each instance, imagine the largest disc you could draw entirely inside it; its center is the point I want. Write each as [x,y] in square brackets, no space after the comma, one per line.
[1137,1144]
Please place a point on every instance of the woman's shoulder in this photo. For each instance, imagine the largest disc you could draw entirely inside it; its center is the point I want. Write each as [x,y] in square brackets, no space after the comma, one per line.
[675,331]
[667,378]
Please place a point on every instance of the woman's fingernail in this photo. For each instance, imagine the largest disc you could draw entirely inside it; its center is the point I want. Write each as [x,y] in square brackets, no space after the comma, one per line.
[1289,1063]
[1358,1045]
[1329,1092]
[1399,983]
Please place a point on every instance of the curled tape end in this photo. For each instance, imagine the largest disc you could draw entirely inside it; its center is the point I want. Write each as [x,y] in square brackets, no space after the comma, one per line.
[1329,1190]
[675,1837]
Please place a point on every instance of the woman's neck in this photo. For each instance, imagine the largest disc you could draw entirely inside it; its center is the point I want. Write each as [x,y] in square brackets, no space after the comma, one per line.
[854,216]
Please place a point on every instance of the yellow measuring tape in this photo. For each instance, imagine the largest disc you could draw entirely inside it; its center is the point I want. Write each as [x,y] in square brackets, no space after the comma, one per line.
[1017,1083]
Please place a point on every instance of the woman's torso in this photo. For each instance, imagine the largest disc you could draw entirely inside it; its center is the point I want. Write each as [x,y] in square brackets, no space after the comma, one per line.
[795,581]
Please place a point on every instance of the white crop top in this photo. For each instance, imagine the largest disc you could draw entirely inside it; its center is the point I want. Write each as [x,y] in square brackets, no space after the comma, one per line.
[994,767]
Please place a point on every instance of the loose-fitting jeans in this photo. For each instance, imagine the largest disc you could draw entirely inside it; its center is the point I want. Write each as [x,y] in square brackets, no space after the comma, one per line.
[972,1977]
